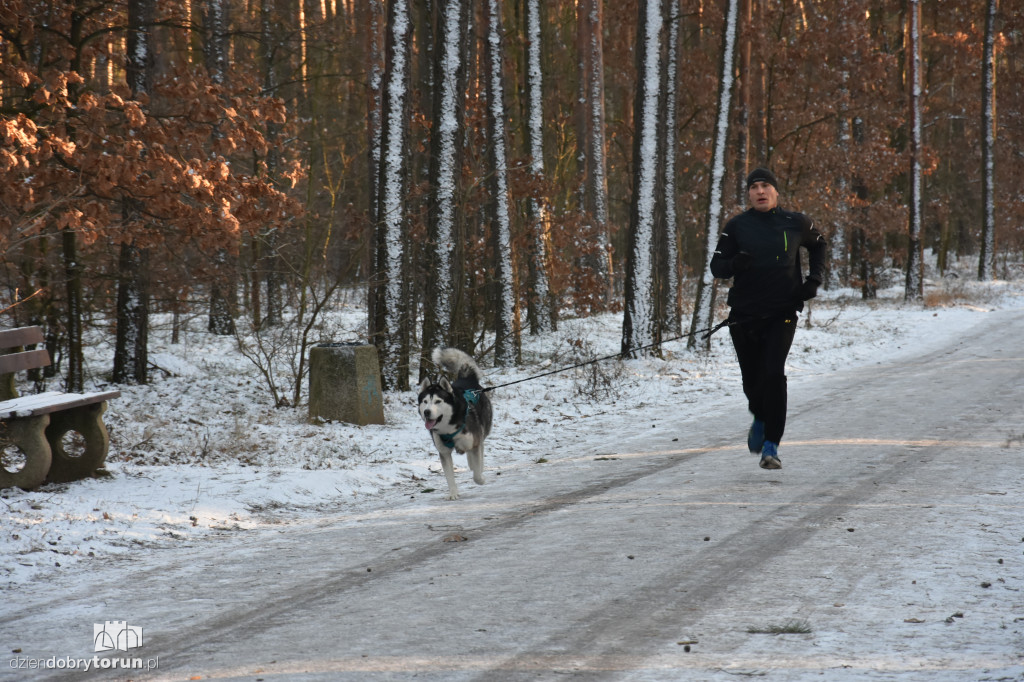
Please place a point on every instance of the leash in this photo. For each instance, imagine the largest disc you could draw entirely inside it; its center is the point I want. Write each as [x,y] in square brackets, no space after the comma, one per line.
[472,396]
[707,333]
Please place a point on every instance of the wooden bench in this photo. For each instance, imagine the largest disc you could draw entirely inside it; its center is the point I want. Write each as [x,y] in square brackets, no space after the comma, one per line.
[37,424]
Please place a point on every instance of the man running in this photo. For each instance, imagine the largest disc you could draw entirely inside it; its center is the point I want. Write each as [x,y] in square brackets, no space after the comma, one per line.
[760,250]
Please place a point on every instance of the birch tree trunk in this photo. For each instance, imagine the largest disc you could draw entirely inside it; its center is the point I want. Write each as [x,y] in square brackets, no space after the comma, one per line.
[393,345]
[704,308]
[915,264]
[592,141]
[541,310]
[986,259]
[506,324]
[445,173]
[638,320]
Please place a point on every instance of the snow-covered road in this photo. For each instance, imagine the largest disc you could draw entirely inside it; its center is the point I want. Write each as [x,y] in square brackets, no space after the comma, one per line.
[892,538]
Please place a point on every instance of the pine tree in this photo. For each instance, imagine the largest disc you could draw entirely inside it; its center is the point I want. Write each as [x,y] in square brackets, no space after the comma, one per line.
[131,357]
[669,312]
[392,233]
[504,298]
[215,52]
[445,213]
[374,23]
[638,320]
[541,310]
[592,138]
[703,309]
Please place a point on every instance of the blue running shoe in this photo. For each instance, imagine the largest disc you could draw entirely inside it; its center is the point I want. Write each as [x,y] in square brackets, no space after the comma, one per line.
[755,436]
[770,456]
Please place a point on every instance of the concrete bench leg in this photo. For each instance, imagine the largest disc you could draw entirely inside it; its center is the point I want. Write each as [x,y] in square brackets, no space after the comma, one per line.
[86,420]
[28,435]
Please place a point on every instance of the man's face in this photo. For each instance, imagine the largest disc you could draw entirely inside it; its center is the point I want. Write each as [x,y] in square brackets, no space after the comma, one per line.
[763,196]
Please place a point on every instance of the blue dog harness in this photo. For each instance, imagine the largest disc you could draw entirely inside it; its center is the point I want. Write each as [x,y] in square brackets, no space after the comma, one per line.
[449,438]
[472,397]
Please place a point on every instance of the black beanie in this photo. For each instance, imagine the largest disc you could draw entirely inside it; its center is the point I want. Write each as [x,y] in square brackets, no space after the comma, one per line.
[762,175]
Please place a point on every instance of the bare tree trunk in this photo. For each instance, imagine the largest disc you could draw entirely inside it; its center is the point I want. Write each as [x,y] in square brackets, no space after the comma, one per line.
[704,308]
[271,264]
[671,316]
[221,319]
[915,264]
[215,53]
[131,345]
[592,141]
[265,258]
[743,120]
[462,328]
[506,307]
[131,361]
[540,310]
[839,266]
[445,213]
[863,241]
[75,377]
[375,22]
[638,320]
[393,180]
[986,259]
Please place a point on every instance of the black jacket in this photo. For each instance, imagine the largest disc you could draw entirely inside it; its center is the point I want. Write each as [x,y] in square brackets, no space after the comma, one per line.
[771,285]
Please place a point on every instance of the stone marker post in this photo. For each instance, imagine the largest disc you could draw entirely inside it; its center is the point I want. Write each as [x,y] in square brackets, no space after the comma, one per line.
[344,383]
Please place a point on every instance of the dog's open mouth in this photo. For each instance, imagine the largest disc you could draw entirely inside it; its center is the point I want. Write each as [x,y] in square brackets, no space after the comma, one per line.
[430,423]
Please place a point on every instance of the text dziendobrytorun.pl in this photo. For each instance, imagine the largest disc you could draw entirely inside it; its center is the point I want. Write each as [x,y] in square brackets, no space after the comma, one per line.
[84,664]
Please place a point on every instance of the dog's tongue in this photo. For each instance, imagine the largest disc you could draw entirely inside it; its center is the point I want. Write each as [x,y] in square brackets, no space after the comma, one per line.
[430,424]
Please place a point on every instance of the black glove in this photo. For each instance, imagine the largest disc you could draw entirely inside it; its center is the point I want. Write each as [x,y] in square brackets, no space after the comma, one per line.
[742,261]
[809,289]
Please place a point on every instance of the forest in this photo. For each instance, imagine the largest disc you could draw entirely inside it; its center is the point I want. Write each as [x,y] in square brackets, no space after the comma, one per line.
[474,171]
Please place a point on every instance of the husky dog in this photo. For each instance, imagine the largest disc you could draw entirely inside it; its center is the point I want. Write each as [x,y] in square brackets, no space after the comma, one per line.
[457,414]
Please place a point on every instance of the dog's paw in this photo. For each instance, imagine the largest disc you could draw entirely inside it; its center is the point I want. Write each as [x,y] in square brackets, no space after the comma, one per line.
[479,479]
[452,497]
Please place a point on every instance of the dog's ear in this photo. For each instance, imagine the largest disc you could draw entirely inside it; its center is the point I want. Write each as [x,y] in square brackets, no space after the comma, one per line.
[424,384]
[445,385]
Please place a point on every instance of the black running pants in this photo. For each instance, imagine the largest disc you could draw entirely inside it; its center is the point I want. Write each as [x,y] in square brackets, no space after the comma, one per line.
[762,346]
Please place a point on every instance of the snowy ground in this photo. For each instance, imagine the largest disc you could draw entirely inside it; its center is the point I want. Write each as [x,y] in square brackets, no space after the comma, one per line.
[200,459]
[202,450]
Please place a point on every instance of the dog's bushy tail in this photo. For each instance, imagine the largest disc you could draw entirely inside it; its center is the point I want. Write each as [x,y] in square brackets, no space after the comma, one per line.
[457,363]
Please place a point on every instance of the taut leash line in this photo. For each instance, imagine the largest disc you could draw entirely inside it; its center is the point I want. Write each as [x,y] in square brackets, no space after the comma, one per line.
[707,333]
